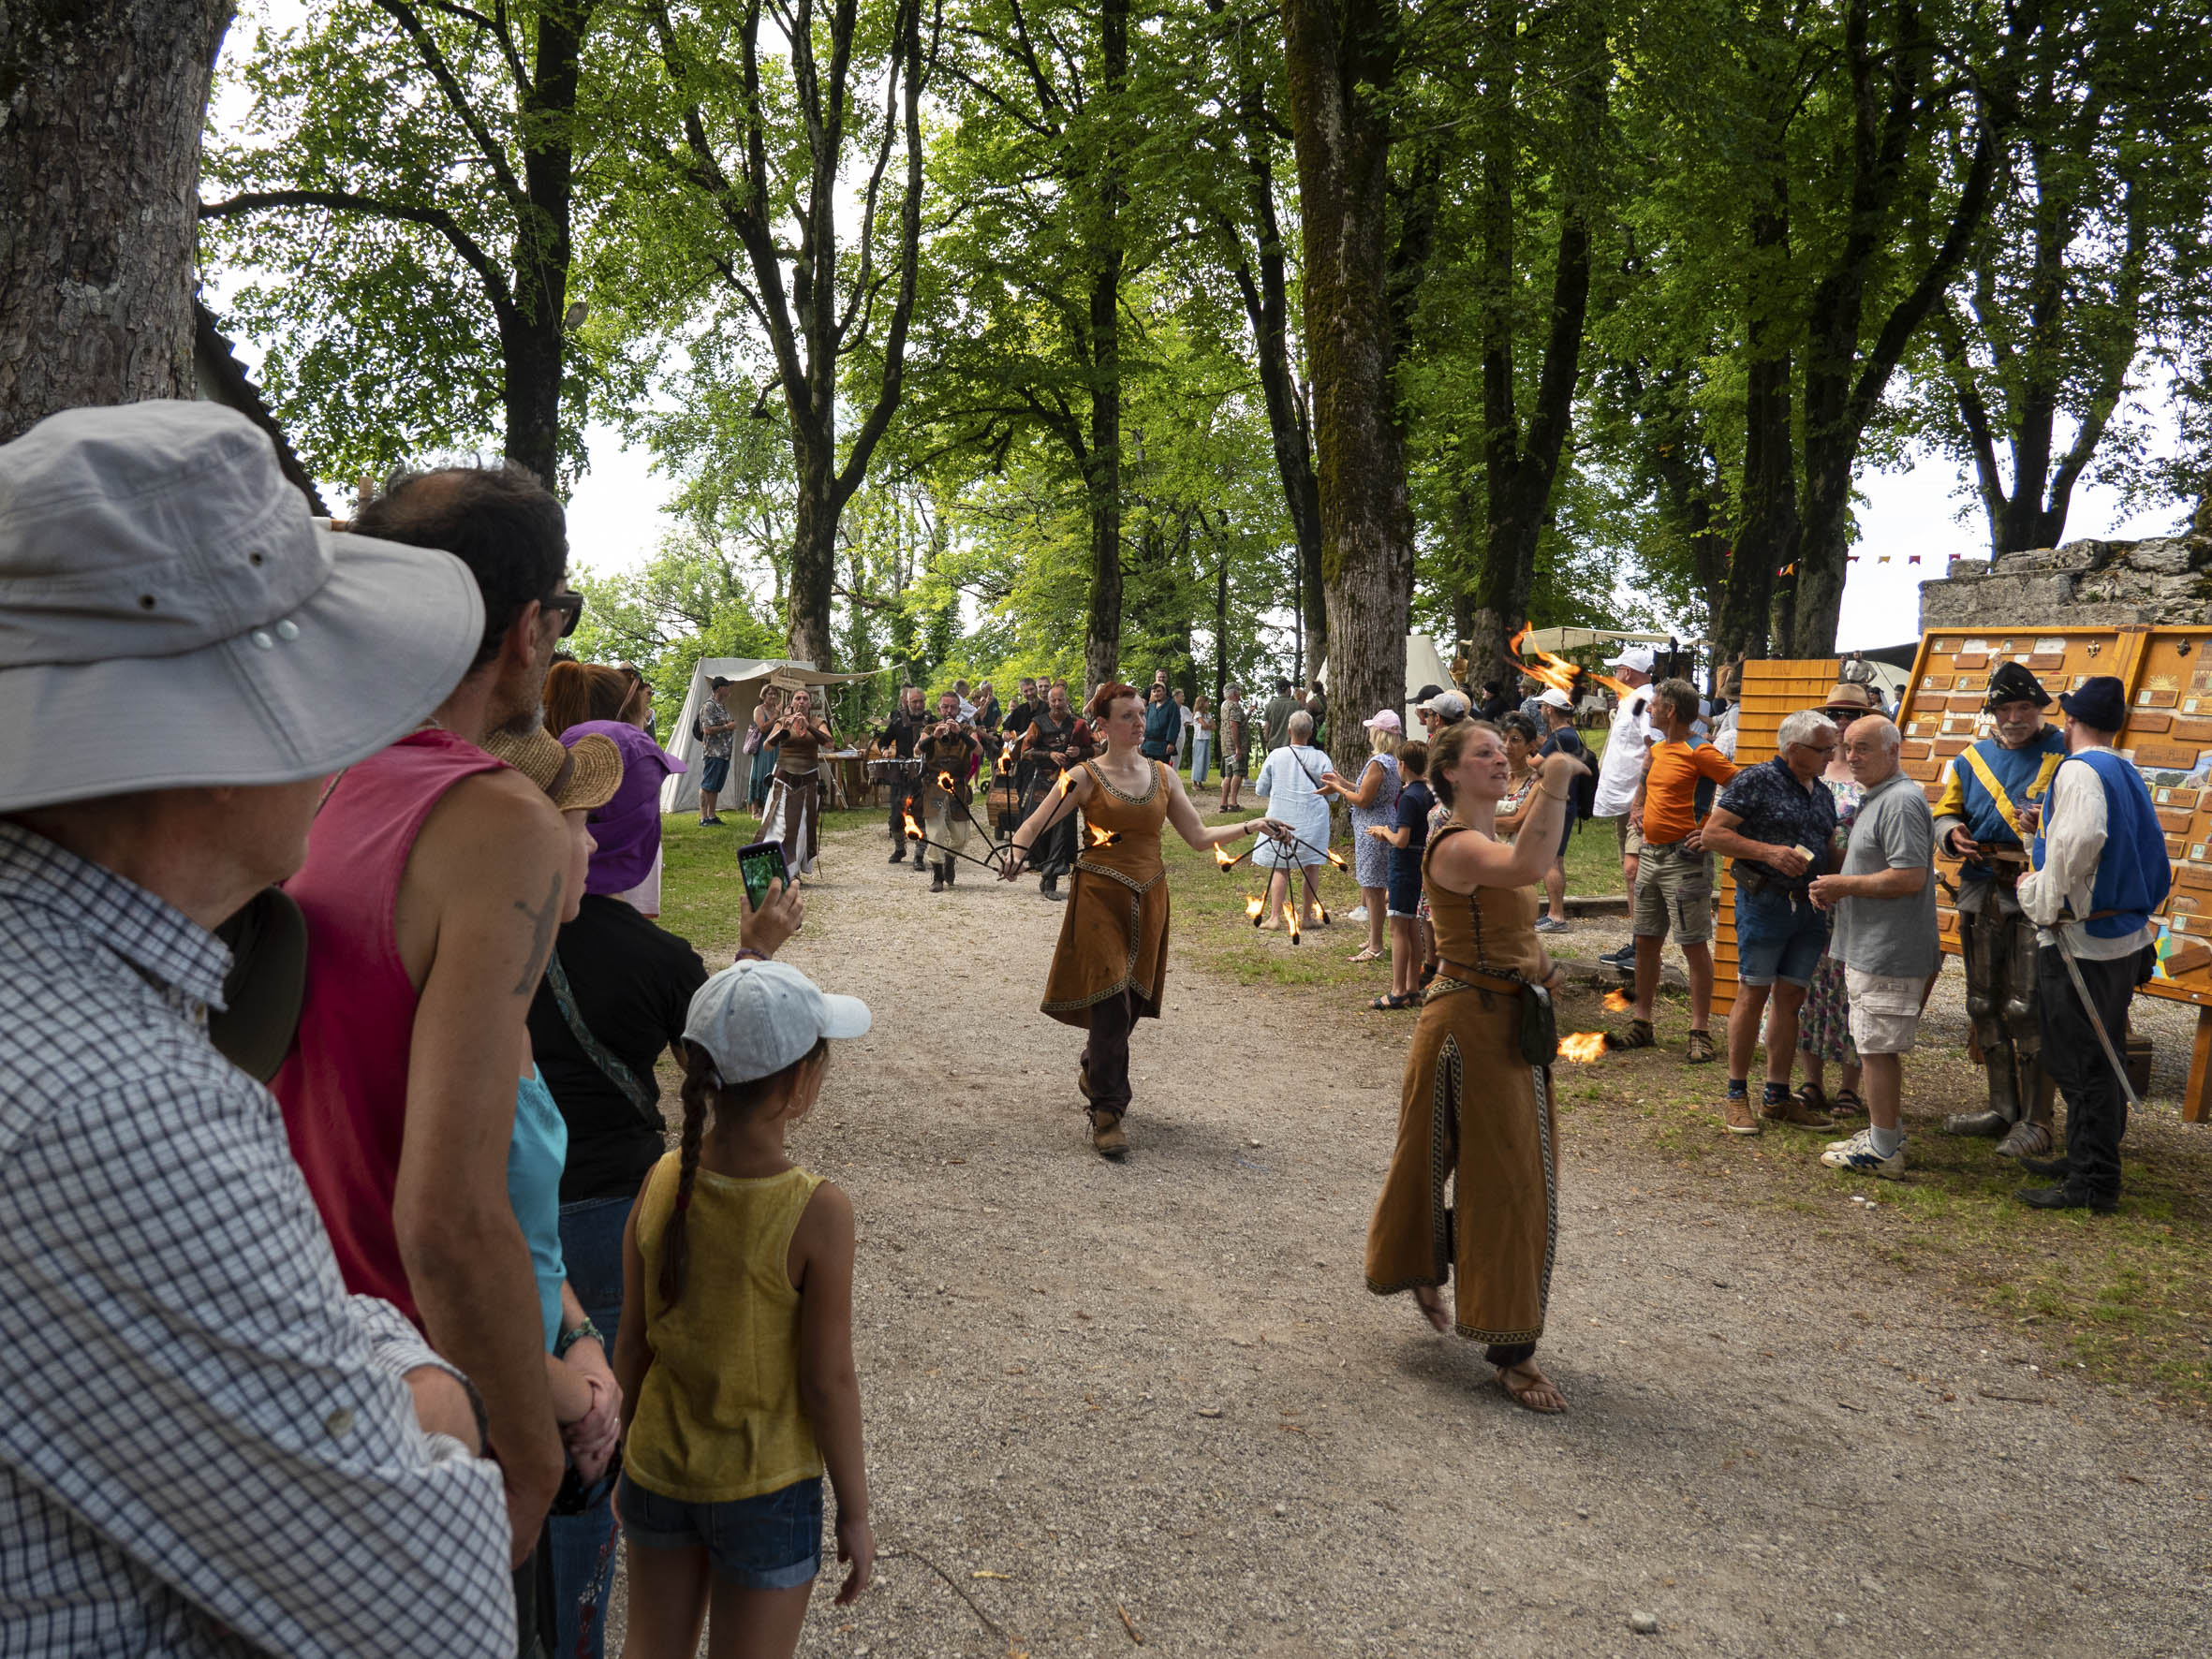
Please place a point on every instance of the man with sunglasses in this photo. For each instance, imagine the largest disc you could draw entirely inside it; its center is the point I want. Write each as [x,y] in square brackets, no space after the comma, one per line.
[433,888]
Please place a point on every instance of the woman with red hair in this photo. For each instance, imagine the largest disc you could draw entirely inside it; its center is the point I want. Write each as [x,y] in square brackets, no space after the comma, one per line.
[1110,967]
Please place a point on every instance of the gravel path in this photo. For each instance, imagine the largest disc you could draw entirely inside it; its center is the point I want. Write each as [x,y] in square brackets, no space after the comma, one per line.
[1157,1400]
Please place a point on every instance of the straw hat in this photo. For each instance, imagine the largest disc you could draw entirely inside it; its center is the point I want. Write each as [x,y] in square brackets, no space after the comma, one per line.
[578,779]
[1849,693]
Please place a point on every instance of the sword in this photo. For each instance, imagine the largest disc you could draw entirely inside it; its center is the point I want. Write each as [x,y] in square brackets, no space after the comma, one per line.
[2080,989]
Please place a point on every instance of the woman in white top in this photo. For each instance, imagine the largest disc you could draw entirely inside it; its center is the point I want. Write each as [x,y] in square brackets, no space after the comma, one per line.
[1292,782]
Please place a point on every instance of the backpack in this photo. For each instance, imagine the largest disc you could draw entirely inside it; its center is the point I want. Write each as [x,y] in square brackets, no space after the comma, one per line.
[1583,798]
[698,728]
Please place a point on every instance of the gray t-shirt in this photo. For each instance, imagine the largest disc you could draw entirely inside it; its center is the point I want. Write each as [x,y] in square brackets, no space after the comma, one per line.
[1892,937]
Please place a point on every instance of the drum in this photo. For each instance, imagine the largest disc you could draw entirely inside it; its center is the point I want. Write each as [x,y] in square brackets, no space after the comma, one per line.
[891,770]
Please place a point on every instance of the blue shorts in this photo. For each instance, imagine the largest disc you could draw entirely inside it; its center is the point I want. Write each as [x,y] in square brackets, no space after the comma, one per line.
[1405,882]
[713,772]
[1778,936]
[770,1542]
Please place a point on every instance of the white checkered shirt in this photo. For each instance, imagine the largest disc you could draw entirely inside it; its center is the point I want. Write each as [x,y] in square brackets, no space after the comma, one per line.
[206,1444]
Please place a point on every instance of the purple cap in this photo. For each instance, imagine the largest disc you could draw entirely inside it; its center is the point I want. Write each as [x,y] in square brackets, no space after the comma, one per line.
[628,828]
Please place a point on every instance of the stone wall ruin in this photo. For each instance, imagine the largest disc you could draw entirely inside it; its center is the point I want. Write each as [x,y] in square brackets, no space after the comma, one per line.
[2165,580]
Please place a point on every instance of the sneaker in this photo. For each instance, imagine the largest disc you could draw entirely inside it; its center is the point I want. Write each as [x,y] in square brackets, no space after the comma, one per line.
[1858,1153]
[1357,913]
[1702,1051]
[1795,1113]
[1550,924]
[1736,1112]
[1623,958]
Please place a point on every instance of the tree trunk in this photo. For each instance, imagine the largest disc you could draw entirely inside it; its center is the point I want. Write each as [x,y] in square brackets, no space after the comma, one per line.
[814,555]
[1766,529]
[102,108]
[1341,57]
[1101,642]
[535,340]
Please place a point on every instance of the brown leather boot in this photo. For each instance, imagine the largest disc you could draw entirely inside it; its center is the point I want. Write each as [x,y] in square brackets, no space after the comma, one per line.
[1107,1135]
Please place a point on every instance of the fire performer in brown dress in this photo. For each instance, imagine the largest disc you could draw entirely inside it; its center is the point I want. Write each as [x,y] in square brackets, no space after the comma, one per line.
[1110,967]
[1477,1108]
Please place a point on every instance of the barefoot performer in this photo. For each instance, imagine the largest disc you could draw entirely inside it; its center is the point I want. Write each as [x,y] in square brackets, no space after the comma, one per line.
[1477,1110]
[1110,967]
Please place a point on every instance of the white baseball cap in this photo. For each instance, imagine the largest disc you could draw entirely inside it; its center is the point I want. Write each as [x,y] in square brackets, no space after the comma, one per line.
[1639,657]
[170,614]
[1556,698]
[756,1018]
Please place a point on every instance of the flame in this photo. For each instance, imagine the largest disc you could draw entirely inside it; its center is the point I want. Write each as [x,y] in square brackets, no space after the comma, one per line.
[1221,856]
[1618,1002]
[1067,782]
[1582,1047]
[1557,672]
[1255,907]
[945,781]
[913,828]
[1334,857]
[1290,913]
[1324,911]
[1100,835]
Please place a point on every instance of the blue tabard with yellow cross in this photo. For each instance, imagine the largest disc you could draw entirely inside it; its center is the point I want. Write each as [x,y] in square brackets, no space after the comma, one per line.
[2021,777]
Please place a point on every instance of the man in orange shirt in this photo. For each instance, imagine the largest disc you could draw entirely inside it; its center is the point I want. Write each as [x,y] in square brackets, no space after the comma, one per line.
[1674,880]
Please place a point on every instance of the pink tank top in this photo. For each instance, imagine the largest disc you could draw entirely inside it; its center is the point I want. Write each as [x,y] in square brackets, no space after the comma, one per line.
[344,1087]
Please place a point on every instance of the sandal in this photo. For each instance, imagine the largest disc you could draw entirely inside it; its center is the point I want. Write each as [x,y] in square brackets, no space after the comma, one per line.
[1391,1003]
[1540,1394]
[1638,1035]
[1814,1099]
[1366,955]
[1847,1104]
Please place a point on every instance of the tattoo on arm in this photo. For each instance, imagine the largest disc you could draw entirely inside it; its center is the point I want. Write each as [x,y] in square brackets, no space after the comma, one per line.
[542,922]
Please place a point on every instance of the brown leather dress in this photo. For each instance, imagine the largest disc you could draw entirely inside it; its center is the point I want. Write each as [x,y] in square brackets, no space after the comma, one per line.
[1474,1114]
[1113,936]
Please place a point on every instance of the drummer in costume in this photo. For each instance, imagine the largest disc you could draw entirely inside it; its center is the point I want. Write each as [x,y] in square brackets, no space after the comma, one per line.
[1986,796]
[1477,1107]
[1055,739]
[793,815]
[1110,967]
[907,723]
[949,754]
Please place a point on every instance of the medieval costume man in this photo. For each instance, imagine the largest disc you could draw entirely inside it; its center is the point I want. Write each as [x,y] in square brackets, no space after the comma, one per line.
[1056,739]
[907,722]
[950,755]
[1984,800]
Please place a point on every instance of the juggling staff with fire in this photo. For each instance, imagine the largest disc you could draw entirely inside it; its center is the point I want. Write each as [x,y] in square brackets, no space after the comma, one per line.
[1109,969]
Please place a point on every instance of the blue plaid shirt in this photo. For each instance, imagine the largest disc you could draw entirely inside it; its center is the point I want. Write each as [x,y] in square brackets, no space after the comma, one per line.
[206,1448]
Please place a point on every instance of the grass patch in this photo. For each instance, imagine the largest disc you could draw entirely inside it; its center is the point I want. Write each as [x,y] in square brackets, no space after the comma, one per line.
[701,896]
[2124,1297]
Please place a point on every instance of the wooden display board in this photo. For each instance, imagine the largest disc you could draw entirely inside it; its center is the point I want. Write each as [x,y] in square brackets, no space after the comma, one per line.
[2167,675]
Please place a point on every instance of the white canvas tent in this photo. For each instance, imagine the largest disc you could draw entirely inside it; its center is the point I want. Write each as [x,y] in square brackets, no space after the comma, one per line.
[679,791]
[1423,666]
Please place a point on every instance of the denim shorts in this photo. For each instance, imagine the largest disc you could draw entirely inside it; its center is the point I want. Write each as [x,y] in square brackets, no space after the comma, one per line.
[1778,936]
[770,1542]
[713,772]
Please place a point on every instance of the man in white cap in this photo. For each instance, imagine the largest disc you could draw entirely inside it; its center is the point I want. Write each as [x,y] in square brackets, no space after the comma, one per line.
[208,1447]
[1620,769]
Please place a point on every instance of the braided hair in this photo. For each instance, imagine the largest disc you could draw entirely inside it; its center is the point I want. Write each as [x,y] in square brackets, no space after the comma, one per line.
[703,1087]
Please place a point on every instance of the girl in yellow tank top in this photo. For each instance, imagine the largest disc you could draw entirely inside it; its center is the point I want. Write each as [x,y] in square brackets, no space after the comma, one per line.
[738,1384]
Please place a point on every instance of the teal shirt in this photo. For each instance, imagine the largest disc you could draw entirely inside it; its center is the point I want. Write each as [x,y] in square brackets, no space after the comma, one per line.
[534,1160]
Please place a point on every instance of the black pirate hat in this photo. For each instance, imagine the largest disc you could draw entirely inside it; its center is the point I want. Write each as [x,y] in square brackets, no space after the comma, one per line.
[2012,682]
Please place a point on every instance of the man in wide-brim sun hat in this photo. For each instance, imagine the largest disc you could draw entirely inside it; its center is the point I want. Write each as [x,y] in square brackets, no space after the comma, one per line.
[185,655]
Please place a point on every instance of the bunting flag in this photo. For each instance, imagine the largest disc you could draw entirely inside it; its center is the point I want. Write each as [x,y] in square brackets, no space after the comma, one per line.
[1787,570]
[1854,559]
[1883,560]
[1912,559]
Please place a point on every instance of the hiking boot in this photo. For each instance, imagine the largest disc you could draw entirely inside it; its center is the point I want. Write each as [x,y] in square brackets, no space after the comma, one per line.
[1638,1035]
[898,853]
[2026,1140]
[1701,1050]
[1736,1112]
[1107,1135]
[936,878]
[1794,1112]
[1985,1124]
